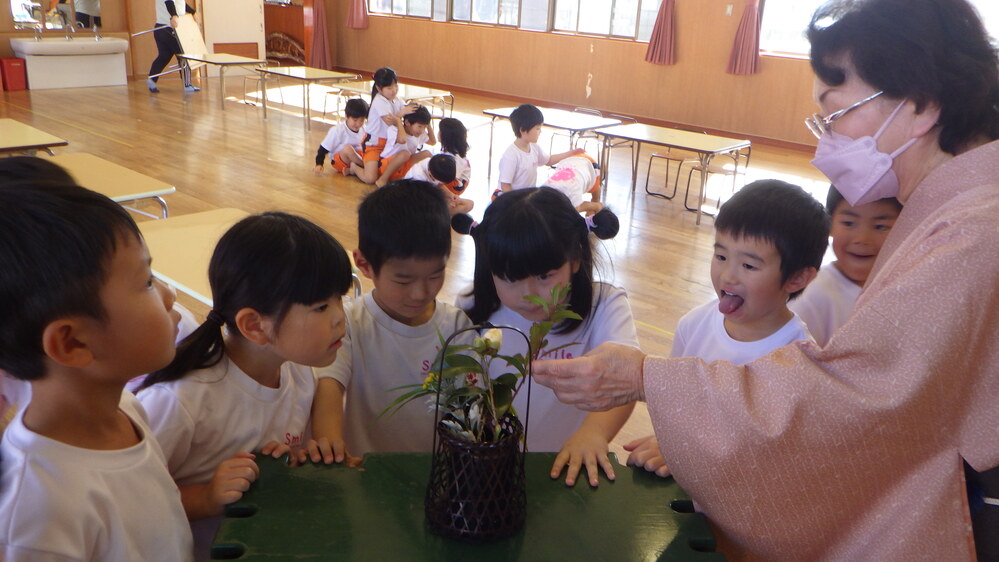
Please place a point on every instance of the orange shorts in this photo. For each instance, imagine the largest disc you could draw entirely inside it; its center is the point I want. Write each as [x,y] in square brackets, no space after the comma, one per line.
[456,187]
[338,163]
[398,174]
[373,152]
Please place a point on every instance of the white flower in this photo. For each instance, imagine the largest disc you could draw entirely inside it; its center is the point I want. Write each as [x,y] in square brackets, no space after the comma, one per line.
[494,339]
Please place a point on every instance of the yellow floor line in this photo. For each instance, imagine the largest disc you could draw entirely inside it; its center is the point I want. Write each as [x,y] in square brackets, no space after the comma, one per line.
[657,328]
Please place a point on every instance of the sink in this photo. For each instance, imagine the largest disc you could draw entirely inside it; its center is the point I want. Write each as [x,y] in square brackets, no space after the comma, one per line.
[56,62]
[83,45]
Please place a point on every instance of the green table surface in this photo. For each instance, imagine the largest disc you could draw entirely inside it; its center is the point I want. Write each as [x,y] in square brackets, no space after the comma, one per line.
[375,512]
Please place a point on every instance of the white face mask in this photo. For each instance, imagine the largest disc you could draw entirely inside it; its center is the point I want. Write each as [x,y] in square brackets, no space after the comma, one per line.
[860,172]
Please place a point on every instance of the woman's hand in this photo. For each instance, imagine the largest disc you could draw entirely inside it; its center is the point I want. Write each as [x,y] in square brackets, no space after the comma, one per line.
[607,376]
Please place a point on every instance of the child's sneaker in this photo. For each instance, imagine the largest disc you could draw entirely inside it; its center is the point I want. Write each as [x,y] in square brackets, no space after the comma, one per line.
[152,86]
[191,88]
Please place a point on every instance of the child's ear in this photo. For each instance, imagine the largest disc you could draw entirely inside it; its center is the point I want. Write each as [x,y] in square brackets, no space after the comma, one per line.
[65,342]
[364,265]
[800,280]
[255,327]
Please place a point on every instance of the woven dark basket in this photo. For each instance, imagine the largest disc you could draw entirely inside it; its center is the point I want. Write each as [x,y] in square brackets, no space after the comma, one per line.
[476,490]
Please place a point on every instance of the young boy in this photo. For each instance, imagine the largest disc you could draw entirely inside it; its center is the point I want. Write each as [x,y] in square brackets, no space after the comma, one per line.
[398,157]
[442,170]
[344,140]
[769,241]
[404,240]
[81,478]
[518,168]
[857,235]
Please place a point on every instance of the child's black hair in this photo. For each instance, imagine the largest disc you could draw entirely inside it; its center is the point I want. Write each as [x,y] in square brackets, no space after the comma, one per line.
[355,107]
[784,215]
[529,232]
[57,241]
[31,168]
[405,219]
[834,198]
[420,115]
[525,118]
[383,77]
[454,136]
[266,262]
[442,167]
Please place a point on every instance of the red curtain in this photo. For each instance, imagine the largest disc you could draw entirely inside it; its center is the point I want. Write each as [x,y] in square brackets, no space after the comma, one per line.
[319,55]
[745,57]
[357,14]
[662,44]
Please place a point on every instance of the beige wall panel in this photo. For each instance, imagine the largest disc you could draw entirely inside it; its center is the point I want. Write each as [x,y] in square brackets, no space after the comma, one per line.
[556,69]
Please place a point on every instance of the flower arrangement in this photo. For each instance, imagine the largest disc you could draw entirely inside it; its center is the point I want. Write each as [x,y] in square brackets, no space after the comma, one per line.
[459,384]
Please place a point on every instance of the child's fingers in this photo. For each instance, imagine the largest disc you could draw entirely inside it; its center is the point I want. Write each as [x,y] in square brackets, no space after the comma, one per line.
[352,462]
[607,466]
[338,452]
[561,460]
[572,471]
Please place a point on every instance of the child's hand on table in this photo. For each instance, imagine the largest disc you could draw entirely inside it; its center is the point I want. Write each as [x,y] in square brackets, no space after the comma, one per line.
[327,452]
[231,478]
[583,448]
[645,454]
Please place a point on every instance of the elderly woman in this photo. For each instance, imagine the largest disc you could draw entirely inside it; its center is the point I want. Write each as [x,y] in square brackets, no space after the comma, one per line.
[854,451]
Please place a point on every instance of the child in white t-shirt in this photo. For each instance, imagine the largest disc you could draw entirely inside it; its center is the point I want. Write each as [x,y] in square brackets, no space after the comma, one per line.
[407,149]
[344,140]
[857,235]
[518,167]
[393,332]
[81,476]
[441,170]
[387,109]
[277,281]
[529,241]
[769,242]
[577,176]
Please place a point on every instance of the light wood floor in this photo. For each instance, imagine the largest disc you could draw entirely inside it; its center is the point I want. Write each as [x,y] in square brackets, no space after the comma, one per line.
[233,158]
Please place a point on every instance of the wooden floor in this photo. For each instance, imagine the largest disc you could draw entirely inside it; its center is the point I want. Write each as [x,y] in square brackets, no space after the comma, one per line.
[233,158]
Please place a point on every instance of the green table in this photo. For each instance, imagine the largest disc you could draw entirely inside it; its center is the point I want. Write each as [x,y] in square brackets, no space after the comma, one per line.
[318,512]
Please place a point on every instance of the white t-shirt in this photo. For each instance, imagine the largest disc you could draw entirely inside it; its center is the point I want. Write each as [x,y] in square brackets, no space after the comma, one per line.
[211,414]
[60,502]
[412,144]
[374,126]
[573,176]
[341,136]
[379,354]
[421,170]
[519,168]
[552,422]
[826,303]
[701,333]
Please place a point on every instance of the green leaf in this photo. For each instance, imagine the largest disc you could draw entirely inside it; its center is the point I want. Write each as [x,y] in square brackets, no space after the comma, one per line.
[508,380]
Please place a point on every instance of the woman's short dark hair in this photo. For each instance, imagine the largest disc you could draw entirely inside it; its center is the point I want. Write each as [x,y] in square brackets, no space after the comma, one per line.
[928,51]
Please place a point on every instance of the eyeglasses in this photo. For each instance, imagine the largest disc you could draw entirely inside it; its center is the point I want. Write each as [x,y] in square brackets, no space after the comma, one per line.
[819,125]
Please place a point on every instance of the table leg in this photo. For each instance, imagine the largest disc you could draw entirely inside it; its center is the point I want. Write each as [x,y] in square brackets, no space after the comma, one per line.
[306,111]
[163,206]
[489,169]
[222,86]
[705,160]
[263,92]
[634,165]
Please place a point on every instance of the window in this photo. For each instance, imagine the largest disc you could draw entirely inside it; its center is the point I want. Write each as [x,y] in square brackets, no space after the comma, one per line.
[419,8]
[630,19]
[785,22]
[616,18]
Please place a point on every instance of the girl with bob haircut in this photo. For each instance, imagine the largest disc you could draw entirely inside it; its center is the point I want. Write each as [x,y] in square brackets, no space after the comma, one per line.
[243,381]
[530,241]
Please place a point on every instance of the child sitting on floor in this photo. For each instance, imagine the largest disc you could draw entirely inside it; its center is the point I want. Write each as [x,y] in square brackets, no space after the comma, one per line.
[769,242]
[344,140]
[407,149]
[441,171]
[518,168]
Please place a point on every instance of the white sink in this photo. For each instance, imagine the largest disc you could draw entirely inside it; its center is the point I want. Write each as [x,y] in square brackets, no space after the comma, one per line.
[83,45]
